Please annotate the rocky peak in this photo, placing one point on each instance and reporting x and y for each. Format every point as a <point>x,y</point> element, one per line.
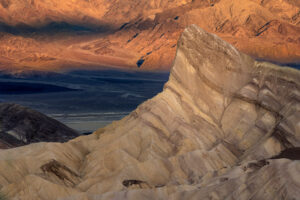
<point>203,59</point>
<point>225,127</point>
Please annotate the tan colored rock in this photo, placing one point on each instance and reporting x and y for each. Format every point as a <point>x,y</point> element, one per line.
<point>209,135</point>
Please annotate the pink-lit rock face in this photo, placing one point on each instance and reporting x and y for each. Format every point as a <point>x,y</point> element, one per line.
<point>99,33</point>
<point>209,134</point>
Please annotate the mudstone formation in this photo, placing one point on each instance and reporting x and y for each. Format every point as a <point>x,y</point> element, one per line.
<point>224,127</point>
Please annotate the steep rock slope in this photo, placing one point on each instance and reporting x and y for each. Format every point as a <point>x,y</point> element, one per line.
<point>92,13</point>
<point>20,126</point>
<point>55,35</point>
<point>267,30</point>
<point>225,126</point>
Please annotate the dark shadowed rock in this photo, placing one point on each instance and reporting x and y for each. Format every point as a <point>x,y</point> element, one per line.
<point>291,153</point>
<point>20,126</point>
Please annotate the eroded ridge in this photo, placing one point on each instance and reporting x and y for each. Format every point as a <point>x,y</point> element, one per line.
<point>210,134</point>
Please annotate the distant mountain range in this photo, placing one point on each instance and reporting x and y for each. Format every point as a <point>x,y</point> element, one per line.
<point>60,35</point>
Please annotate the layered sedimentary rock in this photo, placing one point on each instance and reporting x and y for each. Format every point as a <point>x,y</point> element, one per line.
<point>57,35</point>
<point>20,126</point>
<point>224,127</point>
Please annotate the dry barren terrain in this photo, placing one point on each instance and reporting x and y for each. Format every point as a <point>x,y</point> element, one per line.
<point>58,35</point>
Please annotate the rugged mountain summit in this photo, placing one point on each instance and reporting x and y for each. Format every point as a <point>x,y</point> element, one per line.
<point>55,35</point>
<point>225,126</point>
<point>20,126</point>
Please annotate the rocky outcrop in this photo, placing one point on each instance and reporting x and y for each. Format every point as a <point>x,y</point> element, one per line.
<point>20,126</point>
<point>219,130</point>
<point>57,35</point>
